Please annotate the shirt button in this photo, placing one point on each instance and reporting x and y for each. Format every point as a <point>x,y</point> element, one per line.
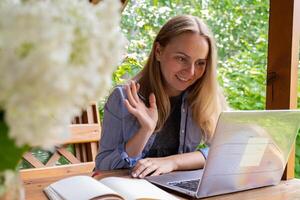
<point>183,110</point>
<point>182,131</point>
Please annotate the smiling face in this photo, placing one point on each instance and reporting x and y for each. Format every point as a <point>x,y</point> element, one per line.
<point>182,61</point>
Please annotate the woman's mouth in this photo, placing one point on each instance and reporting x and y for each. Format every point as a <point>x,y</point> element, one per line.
<point>182,78</point>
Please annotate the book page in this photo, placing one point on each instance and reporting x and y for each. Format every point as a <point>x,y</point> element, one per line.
<point>80,188</point>
<point>130,188</point>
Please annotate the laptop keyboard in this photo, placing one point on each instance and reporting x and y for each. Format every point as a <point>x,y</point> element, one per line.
<point>191,185</point>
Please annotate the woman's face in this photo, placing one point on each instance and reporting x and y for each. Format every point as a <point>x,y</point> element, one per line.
<point>182,61</point>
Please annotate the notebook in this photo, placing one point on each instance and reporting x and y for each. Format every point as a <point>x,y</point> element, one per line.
<point>249,150</point>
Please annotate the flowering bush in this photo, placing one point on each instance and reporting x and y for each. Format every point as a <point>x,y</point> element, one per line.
<point>55,57</point>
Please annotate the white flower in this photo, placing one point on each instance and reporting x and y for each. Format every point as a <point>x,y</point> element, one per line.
<point>11,183</point>
<point>55,57</point>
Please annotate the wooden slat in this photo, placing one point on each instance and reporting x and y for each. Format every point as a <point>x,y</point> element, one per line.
<point>55,171</point>
<point>77,151</point>
<point>53,160</point>
<point>90,115</point>
<point>282,75</point>
<point>83,133</point>
<point>33,160</point>
<point>95,113</point>
<point>91,119</point>
<point>68,155</point>
<point>84,128</point>
<point>84,153</point>
<point>94,150</point>
<point>84,117</point>
<point>77,120</point>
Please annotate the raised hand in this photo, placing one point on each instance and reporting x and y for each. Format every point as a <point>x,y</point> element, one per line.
<point>147,116</point>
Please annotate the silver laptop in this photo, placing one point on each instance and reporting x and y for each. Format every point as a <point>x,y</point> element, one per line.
<point>249,150</point>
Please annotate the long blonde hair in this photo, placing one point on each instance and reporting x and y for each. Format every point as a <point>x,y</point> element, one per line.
<point>205,99</point>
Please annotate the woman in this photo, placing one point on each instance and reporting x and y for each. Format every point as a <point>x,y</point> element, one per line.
<point>156,122</point>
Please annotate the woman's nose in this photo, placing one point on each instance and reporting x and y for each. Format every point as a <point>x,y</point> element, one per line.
<point>190,69</point>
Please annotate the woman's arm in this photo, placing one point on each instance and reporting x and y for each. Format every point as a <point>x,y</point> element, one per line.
<point>156,166</point>
<point>114,152</point>
<point>146,116</point>
<point>112,141</point>
<point>135,145</point>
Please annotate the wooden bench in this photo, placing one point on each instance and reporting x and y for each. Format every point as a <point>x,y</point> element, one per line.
<point>85,134</point>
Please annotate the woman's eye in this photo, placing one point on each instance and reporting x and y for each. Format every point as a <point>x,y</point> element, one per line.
<point>201,63</point>
<point>181,59</point>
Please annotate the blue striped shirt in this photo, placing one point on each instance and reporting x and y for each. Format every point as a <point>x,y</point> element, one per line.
<point>119,126</point>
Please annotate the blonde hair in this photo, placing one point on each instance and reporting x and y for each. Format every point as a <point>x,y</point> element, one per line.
<point>204,97</point>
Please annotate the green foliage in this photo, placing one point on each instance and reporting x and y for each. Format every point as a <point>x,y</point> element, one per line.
<point>297,159</point>
<point>299,82</point>
<point>126,70</point>
<point>240,29</point>
<point>9,148</point>
<point>43,156</point>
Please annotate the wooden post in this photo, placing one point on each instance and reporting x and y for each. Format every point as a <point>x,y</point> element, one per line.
<point>283,58</point>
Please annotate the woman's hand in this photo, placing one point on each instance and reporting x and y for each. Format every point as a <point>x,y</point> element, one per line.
<point>147,117</point>
<point>156,166</point>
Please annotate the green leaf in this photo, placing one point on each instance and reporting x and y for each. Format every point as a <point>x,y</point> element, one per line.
<point>298,150</point>
<point>202,145</point>
<point>10,154</point>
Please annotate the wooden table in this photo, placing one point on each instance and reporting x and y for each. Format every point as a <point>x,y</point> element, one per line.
<point>35,180</point>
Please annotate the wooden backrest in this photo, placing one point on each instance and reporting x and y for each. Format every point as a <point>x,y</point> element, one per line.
<point>85,133</point>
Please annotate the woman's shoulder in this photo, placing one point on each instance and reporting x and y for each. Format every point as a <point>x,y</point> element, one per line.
<point>115,101</point>
<point>118,92</point>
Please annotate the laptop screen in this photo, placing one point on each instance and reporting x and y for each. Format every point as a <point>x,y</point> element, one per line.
<point>249,149</point>
<point>281,126</point>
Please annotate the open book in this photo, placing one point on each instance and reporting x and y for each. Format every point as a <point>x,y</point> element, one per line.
<point>116,188</point>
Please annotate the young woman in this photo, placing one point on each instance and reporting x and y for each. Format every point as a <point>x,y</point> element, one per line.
<point>155,123</point>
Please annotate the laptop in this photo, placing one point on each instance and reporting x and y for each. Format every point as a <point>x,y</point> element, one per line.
<point>249,149</point>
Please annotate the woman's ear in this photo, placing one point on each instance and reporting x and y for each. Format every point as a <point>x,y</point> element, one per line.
<point>157,51</point>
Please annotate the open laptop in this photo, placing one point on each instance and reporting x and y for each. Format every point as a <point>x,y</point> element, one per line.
<point>249,150</point>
